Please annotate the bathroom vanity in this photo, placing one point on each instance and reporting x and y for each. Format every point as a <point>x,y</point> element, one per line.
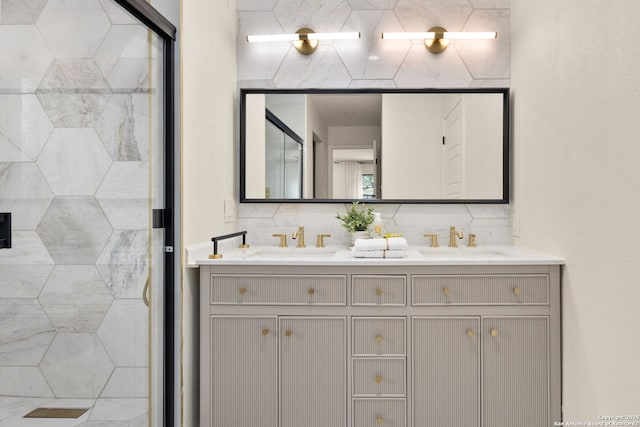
<point>439,338</point>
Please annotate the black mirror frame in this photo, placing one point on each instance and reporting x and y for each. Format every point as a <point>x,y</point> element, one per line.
<point>506,136</point>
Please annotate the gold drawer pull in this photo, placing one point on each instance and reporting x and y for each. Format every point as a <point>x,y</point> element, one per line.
<point>446,291</point>
<point>469,333</point>
<point>517,291</point>
<point>311,291</point>
<point>242,291</point>
<point>378,291</point>
<point>494,332</point>
<point>265,331</point>
<point>378,379</point>
<point>379,338</point>
<point>288,332</point>
<point>379,420</point>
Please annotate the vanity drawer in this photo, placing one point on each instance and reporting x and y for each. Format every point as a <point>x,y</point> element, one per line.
<point>247,289</point>
<point>379,290</point>
<point>379,377</point>
<point>522,289</point>
<point>376,336</point>
<point>379,412</point>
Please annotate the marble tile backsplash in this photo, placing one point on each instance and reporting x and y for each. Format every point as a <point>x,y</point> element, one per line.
<point>370,61</point>
<point>373,63</point>
<point>490,223</point>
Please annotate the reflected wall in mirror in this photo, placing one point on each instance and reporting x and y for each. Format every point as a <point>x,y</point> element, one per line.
<point>387,146</point>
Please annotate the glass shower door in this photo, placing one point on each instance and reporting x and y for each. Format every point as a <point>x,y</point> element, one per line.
<point>283,157</point>
<point>82,169</point>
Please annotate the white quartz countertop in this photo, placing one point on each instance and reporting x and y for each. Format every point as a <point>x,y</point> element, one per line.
<point>416,255</point>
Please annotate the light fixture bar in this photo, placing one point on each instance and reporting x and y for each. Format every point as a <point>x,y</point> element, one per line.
<point>448,35</point>
<point>334,36</point>
<point>298,37</point>
<point>408,36</point>
<point>470,35</point>
<point>273,38</point>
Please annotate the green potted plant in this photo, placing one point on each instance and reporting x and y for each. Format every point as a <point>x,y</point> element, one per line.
<point>357,220</point>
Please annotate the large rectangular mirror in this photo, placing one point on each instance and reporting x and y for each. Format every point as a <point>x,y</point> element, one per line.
<point>382,145</point>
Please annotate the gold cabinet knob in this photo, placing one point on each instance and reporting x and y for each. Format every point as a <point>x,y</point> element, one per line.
<point>378,291</point>
<point>288,332</point>
<point>378,379</point>
<point>265,331</point>
<point>242,291</point>
<point>517,291</point>
<point>379,420</point>
<point>446,291</point>
<point>494,332</point>
<point>311,291</point>
<point>469,333</point>
<point>379,338</point>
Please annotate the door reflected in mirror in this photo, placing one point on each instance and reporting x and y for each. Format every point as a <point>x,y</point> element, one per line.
<point>388,146</point>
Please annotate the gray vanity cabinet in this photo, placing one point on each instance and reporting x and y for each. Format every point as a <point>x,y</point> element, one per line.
<point>380,345</point>
<point>313,371</point>
<point>243,368</point>
<point>252,355</point>
<point>515,371</point>
<point>446,371</point>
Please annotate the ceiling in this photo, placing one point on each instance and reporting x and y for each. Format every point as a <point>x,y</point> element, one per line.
<point>363,109</point>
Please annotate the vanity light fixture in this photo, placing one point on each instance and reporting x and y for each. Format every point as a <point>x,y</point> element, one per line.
<point>437,39</point>
<point>305,40</point>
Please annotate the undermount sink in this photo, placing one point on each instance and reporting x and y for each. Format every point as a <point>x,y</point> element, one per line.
<point>466,252</point>
<point>309,252</point>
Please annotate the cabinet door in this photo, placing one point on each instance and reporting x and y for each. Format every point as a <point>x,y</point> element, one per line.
<point>446,371</point>
<point>313,374</point>
<point>515,371</point>
<point>243,372</point>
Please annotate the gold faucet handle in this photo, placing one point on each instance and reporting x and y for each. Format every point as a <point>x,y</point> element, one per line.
<point>300,236</point>
<point>434,239</point>
<point>472,240</point>
<point>283,239</point>
<point>320,240</point>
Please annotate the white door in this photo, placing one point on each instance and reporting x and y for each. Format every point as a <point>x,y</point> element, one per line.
<point>453,161</point>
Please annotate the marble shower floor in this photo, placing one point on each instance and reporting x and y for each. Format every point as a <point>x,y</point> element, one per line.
<point>101,413</point>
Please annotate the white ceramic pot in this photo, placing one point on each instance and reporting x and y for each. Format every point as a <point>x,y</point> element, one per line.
<point>359,235</point>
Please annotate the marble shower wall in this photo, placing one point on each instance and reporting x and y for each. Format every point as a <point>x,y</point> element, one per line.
<point>374,63</point>
<point>74,172</point>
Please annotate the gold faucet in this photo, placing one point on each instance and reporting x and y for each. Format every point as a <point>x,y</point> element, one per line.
<point>434,239</point>
<point>300,236</point>
<point>453,234</point>
<point>320,240</point>
<point>283,239</point>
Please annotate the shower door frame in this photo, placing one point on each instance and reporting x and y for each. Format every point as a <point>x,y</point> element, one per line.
<point>165,218</point>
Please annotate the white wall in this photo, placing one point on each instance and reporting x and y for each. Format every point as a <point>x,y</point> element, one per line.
<point>208,153</point>
<point>483,146</point>
<point>255,140</point>
<point>411,124</point>
<point>317,125</point>
<point>576,139</point>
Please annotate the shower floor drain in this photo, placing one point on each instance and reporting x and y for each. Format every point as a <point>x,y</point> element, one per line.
<point>56,413</point>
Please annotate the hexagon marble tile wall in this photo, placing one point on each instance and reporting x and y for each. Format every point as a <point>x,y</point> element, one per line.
<point>373,63</point>
<point>74,142</point>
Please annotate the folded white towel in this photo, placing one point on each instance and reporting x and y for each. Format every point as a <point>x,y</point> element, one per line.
<point>391,243</point>
<point>392,253</point>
